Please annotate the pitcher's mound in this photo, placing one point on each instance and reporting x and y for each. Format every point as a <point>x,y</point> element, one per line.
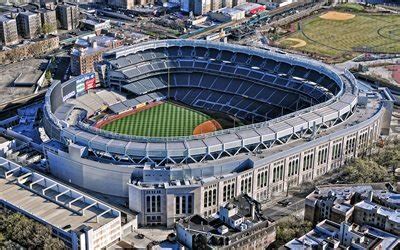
<point>207,127</point>
<point>299,43</point>
<point>337,16</point>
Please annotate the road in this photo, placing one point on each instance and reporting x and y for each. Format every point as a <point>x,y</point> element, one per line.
<point>276,211</point>
<point>352,64</point>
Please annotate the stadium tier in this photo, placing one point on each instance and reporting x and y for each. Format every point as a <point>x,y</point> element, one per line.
<point>308,119</point>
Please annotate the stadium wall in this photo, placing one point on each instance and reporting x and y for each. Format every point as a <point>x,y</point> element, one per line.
<point>115,179</point>
<point>100,177</point>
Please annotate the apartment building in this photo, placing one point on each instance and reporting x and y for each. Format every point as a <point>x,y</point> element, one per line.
<point>68,16</point>
<point>8,30</point>
<point>330,235</point>
<point>29,24</point>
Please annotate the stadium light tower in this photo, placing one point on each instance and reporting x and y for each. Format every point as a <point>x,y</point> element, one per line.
<point>168,86</point>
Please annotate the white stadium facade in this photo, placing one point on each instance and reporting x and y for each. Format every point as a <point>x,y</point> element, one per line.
<point>309,118</point>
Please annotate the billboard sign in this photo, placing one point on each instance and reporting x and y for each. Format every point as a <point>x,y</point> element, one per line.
<point>90,84</point>
<point>68,90</point>
<point>81,82</point>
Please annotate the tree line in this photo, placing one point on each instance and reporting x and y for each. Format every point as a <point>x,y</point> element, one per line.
<point>18,231</point>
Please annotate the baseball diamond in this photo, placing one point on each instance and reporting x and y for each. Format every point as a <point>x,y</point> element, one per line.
<point>164,120</point>
<point>362,33</point>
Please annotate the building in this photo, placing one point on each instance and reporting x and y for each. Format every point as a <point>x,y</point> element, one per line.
<point>29,24</point>
<point>369,213</point>
<point>83,58</point>
<point>197,20</point>
<point>8,30</point>
<point>350,204</point>
<point>123,4</point>
<point>356,204</point>
<point>330,235</point>
<point>227,3</point>
<point>268,4</point>
<point>334,203</point>
<point>237,2</point>
<point>387,198</point>
<point>238,225</point>
<point>48,19</point>
<point>251,8</point>
<point>68,16</point>
<point>35,47</point>
<point>217,4</point>
<point>227,14</point>
<point>96,26</point>
<point>89,50</point>
<point>185,5</point>
<point>128,4</point>
<point>48,4</point>
<point>201,7</point>
<point>77,219</point>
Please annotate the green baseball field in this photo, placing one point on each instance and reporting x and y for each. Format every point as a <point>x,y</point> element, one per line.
<point>164,120</point>
<point>334,34</point>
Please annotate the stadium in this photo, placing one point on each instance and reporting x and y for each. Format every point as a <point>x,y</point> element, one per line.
<point>179,127</point>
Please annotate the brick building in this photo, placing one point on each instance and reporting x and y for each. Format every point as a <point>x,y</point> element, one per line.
<point>8,30</point>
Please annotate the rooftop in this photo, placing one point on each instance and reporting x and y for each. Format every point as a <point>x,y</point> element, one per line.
<point>212,223</point>
<point>27,13</point>
<point>102,43</point>
<point>392,215</point>
<point>50,201</point>
<point>341,192</point>
<point>6,18</point>
<point>229,10</point>
<point>328,231</point>
<point>391,198</point>
<point>9,73</point>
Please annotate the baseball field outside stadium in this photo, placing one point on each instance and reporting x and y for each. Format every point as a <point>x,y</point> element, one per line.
<point>336,33</point>
<point>164,120</point>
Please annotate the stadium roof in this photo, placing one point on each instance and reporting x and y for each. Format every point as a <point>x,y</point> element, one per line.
<point>49,200</point>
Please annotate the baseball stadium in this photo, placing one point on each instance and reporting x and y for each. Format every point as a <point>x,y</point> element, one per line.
<point>178,127</point>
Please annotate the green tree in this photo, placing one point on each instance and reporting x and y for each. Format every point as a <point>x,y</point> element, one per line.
<point>290,228</point>
<point>53,243</point>
<point>390,157</point>
<point>2,240</point>
<point>200,242</point>
<point>364,171</point>
<point>48,28</point>
<point>48,75</point>
<point>16,229</point>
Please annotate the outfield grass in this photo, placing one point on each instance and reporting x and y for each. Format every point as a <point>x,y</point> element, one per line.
<point>164,120</point>
<point>380,33</point>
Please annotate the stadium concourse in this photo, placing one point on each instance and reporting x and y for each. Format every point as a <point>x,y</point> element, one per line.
<point>303,118</point>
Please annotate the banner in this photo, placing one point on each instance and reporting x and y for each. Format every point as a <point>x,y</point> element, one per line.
<point>90,84</point>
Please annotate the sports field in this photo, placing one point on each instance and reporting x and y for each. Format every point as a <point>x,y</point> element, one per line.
<point>164,120</point>
<point>337,33</point>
